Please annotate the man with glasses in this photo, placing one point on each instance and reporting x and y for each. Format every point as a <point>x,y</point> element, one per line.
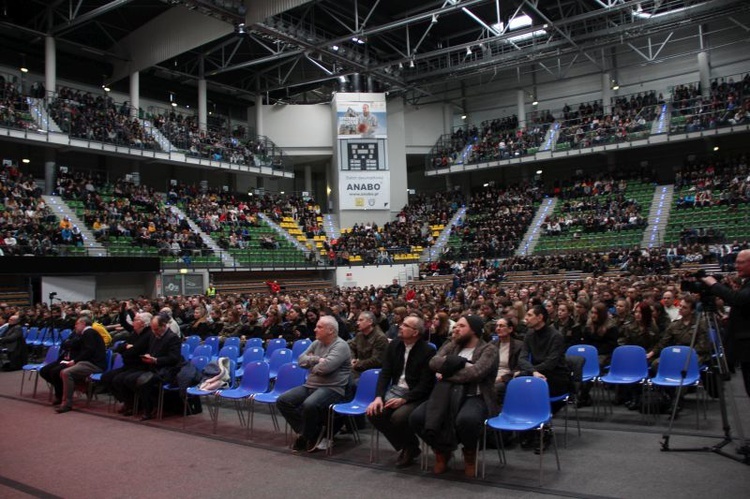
<point>406,371</point>
<point>131,349</point>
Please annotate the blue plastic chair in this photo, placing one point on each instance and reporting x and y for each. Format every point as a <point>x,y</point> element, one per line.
<point>432,345</point>
<point>669,373</point>
<point>253,354</point>
<point>629,366</point>
<point>299,347</point>
<point>203,351</point>
<point>591,370</point>
<point>193,341</point>
<point>274,345</point>
<point>254,381</point>
<point>212,404</point>
<point>526,407</point>
<point>289,376</point>
<point>232,352</point>
<point>366,387</point>
<point>52,354</point>
<point>279,358</point>
<point>31,336</point>
<point>65,334</point>
<point>113,362</point>
<point>233,341</point>
<point>253,342</point>
<point>213,341</point>
<point>185,351</point>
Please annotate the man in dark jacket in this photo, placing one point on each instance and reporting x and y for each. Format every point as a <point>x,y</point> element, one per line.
<point>14,345</point>
<point>133,346</point>
<point>406,370</point>
<point>87,355</point>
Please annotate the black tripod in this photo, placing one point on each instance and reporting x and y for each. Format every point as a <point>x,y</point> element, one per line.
<point>718,376</point>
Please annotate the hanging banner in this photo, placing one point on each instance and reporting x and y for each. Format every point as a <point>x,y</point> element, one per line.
<point>361,119</point>
<point>364,190</point>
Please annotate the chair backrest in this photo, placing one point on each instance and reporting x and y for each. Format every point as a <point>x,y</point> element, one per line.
<point>230,351</point>
<point>591,356</point>
<point>214,342</point>
<point>109,360</point>
<point>274,345</point>
<point>193,341</point>
<point>254,342</point>
<point>629,360</point>
<point>200,361</point>
<point>279,358</point>
<point>432,345</point>
<point>52,354</point>
<point>255,377</point>
<point>31,337</point>
<point>117,361</point>
<point>186,351</point>
<point>299,347</point>
<point>203,351</point>
<point>527,398</point>
<point>290,376</point>
<point>253,354</point>
<point>233,341</point>
<point>672,362</point>
<point>65,334</point>
<point>368,382</point>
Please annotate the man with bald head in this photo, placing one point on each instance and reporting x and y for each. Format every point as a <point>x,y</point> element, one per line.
<point>738,334</point>
<point>14,345</point>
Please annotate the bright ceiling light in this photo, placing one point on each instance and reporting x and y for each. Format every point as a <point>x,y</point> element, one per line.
<point>520,21</point>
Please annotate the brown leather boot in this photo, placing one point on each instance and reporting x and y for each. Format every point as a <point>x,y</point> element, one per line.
<point>470,463</point>
<point>441,463</point>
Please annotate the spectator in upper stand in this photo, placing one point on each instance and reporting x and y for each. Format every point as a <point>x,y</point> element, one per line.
<point>368,345</point>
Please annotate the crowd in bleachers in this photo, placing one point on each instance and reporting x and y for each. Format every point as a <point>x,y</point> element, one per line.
<point>86,116</point>
<point>497,219</point>
<point>27,225</point>
<point>727,103</point>
<point>14,110</point>
<point>706,183</point>
<point>130,211</point>
<point>591,125</point>
<point>595,205</point>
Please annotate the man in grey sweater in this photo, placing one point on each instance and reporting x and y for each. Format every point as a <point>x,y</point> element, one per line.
<point>328,359</point>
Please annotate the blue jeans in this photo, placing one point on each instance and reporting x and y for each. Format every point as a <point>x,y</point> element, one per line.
<point>305,409</point>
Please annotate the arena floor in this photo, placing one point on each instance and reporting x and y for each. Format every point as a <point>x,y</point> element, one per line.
<point>91,452</point>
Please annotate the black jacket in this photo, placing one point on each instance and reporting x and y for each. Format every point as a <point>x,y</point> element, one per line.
<point>419,377</point>
<point>739,316</point>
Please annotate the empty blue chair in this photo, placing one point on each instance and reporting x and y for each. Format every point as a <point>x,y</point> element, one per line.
<point>185,351</point>
<point>279,358</point>
<point>629,366</point>
<point>672,362</point>
<point>193,341</point>
<point>254,381</point>
<point>274,345</point>
<point>254,342</point>
<point>52,354</point>
<point>233,341</point>
<point>253,354</point>
<point>212,404</point>
<point>299,347</point>
<point>31,335</point>
<point>526,407</point>
<point>368,382</point>
<point>590,372</point>
<point>65,334</point>
<point>203,351</point>
<point>289,376</point>
<point>232,352</point>
<point>213,341</point>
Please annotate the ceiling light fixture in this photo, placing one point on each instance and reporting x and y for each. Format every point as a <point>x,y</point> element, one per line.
<point>468,50</point>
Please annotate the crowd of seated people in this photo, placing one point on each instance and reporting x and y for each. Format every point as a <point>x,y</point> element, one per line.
<point>86,116</point>
<point>594,205</point>
<point>217,144</point>
<point>721,182</point>
<point>131,211</point>
<point>14,110</point>
<point>727,103</point>
<point>496,139</point>
<point>27,225</point>
<point>496,221</point>
<point>412,227</point>
<point>590,126</point>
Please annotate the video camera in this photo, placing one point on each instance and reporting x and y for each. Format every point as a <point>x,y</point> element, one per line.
<point>692,283</point>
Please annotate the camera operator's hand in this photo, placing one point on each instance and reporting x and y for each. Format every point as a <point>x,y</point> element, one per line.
<point>709,281</point>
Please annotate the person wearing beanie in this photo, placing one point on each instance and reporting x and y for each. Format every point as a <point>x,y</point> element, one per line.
<point>463,398</point>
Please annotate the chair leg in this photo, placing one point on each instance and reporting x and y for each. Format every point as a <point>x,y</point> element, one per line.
<point>329,431</point>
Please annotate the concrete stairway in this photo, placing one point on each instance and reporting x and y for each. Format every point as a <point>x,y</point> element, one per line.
<point>658,216</point>
<point>159,137</point>
<point>226,258</point>
<point>434,252</point>
<point>550,138</point>
<point>662,122</point>
<point>38,111</point>
<point>532,234</point>
<point>331,226</point>
<point>61,210</point>
<point>284,233</point>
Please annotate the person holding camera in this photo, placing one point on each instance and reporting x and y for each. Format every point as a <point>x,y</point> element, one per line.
<point>738,333</point>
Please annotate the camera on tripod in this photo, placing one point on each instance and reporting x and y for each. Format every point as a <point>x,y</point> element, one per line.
<point>692,283</point>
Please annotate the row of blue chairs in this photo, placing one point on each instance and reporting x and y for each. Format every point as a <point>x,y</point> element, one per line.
<point>45,337</point>
<point>193,343</point>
